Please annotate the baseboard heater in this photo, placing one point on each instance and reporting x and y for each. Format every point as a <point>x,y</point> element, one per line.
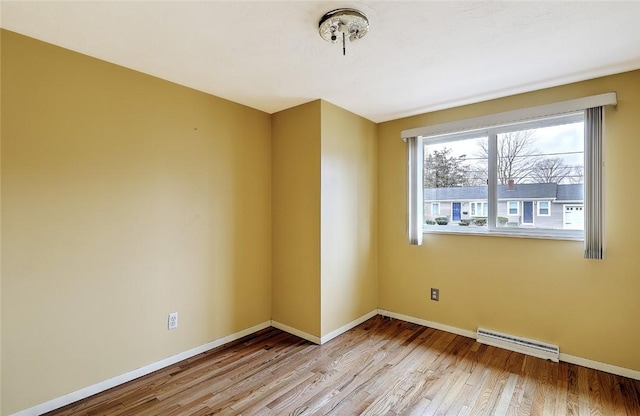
<point>517,344</point>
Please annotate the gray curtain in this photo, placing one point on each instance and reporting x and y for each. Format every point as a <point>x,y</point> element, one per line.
<point>593,197</point>
<point>415,201</point>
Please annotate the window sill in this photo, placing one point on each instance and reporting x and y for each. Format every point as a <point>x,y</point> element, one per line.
<point>517,233</point>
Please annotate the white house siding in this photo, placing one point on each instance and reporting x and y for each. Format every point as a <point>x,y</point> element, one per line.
<point>572,194</point>
<point>446,210</point>
<point>554,221</point>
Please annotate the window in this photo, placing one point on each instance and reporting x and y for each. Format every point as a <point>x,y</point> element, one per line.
<point>435,208</point>
<point>509,166</point>
<point>479,209</point>
<point>544,208</point>
<point>530,161</point>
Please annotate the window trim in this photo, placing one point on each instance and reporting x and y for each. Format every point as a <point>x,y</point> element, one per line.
<point>433,204</point>
<point>548,214</point>
<point>492,201</point>
<point>473,208</point>
<point>514,116</point>
<point>593,110</point>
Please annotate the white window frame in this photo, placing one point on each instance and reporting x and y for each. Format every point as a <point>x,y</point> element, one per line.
<point>548,214</point>
<point>433,205</point>
<point>491,203</point>
<point>534,117</point>
<point>509,208</point>
<point>473,208</point>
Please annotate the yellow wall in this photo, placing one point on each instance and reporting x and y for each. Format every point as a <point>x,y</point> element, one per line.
<point>124,198</point>
<point>296,217</point>
<point>348,209</point>
<point>539,289</point>
<point>324,217</point>
<point>1,35</point>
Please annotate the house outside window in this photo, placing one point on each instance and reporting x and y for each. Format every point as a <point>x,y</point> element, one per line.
<point>435,208</point>
<point>514,208</point>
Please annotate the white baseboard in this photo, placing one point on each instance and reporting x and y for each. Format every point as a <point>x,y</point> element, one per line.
<point>597,365</point>
<point>293,331</point>
<point>584,362</point>
<point>430,324</point>
<point>131,375</point>
<point>331,335</point>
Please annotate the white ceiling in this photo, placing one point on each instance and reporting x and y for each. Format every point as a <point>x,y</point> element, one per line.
<point>418,55</point>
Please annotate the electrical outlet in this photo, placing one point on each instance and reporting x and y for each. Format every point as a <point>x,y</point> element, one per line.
<point>435,294</point>
<point>173,320</point>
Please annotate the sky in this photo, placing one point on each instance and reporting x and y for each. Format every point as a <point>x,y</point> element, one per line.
<point>555,141</point>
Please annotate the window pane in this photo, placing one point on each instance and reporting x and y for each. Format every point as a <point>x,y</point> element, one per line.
<point>543,207</point>
<point>541,163</point>
<point>455,176</point>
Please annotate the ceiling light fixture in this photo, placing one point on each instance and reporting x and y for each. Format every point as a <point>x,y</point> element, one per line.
<point>343,23</point>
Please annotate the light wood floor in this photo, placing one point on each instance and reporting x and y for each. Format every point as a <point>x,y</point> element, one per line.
<point>382,367</point>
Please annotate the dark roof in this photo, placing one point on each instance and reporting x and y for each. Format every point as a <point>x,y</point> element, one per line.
<point>520,191</point>
<point>573,192</point>
<point>528,190</point>
<point>448,194</point>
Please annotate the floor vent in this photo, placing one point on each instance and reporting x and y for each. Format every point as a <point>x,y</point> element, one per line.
<point>517,344</point>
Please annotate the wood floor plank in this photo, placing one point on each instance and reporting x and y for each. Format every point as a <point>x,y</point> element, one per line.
<point>502,406</point>
<point>468,394</point>
<point>539,396</point>
<point>595,400</point>
<point>562,390</point>
<point>382,367</point>
<point>438,400</point>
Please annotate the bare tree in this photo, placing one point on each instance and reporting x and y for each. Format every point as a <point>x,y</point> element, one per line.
<point>517,156</point>
<point>551,170</point>
<point>577,174</point>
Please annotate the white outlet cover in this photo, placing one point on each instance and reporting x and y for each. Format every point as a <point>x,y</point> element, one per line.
<point>173,320</point>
